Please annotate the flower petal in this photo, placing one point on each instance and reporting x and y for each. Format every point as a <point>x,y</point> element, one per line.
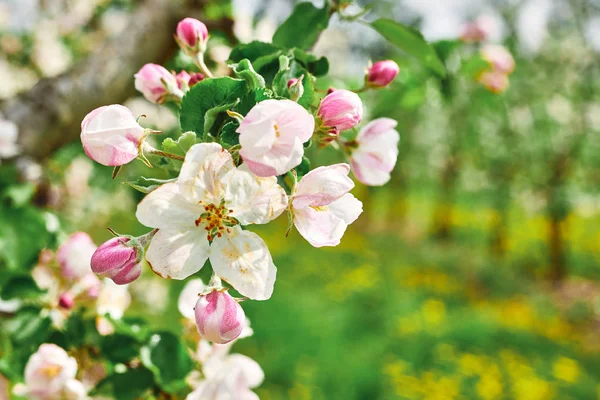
<point>323,185</point>
<point>203,172</point>
<point>243,259</point>
<point>348,208</point>
<point>167,208</point>
<point>175,254</point>
<point>189,297</point>
<point>319,227</point>
<point>254,200</point>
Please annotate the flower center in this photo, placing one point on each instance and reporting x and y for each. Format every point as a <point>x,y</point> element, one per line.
<point>277,132</point>
<point>320,208</point>
<point>51,370</point>
<point>216,220</point>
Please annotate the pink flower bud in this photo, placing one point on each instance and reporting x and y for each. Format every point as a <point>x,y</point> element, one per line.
<point>219,317</point>
<point>183,80</point>
<point>472,33</point>
<point>66,301</point>
<point>331,90</point>
<point>291,82</point>
<point>156,83</point>
<point>341,109</point>
<point>195,78</point>
<point>117,260</point>
<point>499,58</point>
<point>111,136</point>
<point>192,35</point>
<point>494,81</point>
<point>382,73</point>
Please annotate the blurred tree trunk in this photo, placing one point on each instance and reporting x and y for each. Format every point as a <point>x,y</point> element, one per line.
<point>48,116</point>
<point>444,209</point>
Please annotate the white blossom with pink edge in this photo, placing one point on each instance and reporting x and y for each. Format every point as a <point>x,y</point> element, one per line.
<point>499,57</point>
<point>341,109</point>
<point>272,136</point>
<point>219,317</point>
<point>322,207</point>
<point>111,136</point>
<point>50,375</point>
<point>156,83</point>
<point>376,153</point>
<point>198,217</point>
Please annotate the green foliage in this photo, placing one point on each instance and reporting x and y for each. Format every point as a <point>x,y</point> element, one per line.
<point>131,384</point>
<point>181,145</point>
<point>245,71</point>
<point>229,137</point>
<point>19,286</point>
<point>206,99</point>
<point>168,359</point>
<point>303,27</point>
<point>410,41</point>
<point>146,185</point>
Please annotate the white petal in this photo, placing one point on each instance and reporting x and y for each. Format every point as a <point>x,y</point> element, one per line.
<point>177,255</point>
<point>323,185</point>
<point>319,227</point>
<point>189,296</point>
<point>251,374</point>
<point>243,259</point>
<point>167,207</point>
<point>254,200</point>
<point>347,208</point>
<point>204,170</point>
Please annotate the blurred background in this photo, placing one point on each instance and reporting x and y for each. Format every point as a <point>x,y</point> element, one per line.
<point>474,274</point>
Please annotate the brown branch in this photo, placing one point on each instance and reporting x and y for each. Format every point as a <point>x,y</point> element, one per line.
<point>48,116</point>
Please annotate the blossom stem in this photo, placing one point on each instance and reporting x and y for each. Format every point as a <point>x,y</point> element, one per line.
<point>168,155</point>
<point>215,282</point>
<point>203,68</point>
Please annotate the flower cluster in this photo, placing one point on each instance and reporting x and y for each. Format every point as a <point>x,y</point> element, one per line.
<point>501,63</point>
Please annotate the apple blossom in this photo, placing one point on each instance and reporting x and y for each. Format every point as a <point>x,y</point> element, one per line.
<point>341,109</point>
<point>75,254</point>
<point>219,317</point>
<point>189,297</point>
<point>195,78</point>
<point>296,88</point>
<point>183,80</point>
<point>8,138</point>
<point>50,374</point>
<point>228,377</point>
<point>198,217</point>
<point>157,84</point>
<point>499,58</point>
<point>375,152</point>
<point>272,134</point>
<point>66,301</point>
<point>111,135</point>
<point>322,207</point>
<point>118,259</point>
<point>191,35</point>
<point>494,81</point>
<point>382,73</point>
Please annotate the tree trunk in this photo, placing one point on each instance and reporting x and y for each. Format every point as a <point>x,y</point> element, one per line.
<point>443,212</point>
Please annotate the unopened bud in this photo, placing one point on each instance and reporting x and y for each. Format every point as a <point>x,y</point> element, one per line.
<point>192,36</point>
<point>296,88</point>
<point>382,73</point>
<point>118,259</point>
<point>195,78</point>
<point>66,301</point>
<point>156,83</point>
<point>341,109</point>
<point>219,317</point>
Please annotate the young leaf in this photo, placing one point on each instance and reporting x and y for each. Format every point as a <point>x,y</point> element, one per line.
<point>295,70</point>
<point>303,27</point>
<point>245,71</point>
<point>259,53</point>
<point>410,41</point>
<point>146,185</point>
<point>181,145</point>
<point>168,359</point>
<point>229,137</point>
<point>205,96</point>
<point>130,385</point>
<point>313,64</point>
<point>252,98</point>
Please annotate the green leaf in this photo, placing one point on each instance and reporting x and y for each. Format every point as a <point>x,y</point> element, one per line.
<point>168,359</point>
<point>245,71</point>
<point>129,385</point>
<point>303,168</point>
<point>229,137</point>
<point>313,64</point>
<point>119,348</point>
<point>410,41</point>
<point>259,53</point>
<point>20,286</point>
<point>146,185</point>
<point>20,195</point>
<point>29,327</point>
<point>215,93</point>
<point>303,27</point>
<point>252,98</point>
<point>295,70</point>
<point>181,145</point>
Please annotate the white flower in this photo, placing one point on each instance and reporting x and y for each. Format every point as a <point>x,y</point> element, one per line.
<point>199,217</point>
<point>322,206</point>
<point>50,375</point>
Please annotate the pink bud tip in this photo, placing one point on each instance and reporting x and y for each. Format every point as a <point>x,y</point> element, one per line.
<point>156,83</point>
<point>66,301</point>
<point>341,109</point>
<point>382,73</point>
<point>219,317</point>
<point>195,78</point>
<point>192,34</point>
<point>117,260</point>
<point>331,90</point>
<point>291,82</point>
